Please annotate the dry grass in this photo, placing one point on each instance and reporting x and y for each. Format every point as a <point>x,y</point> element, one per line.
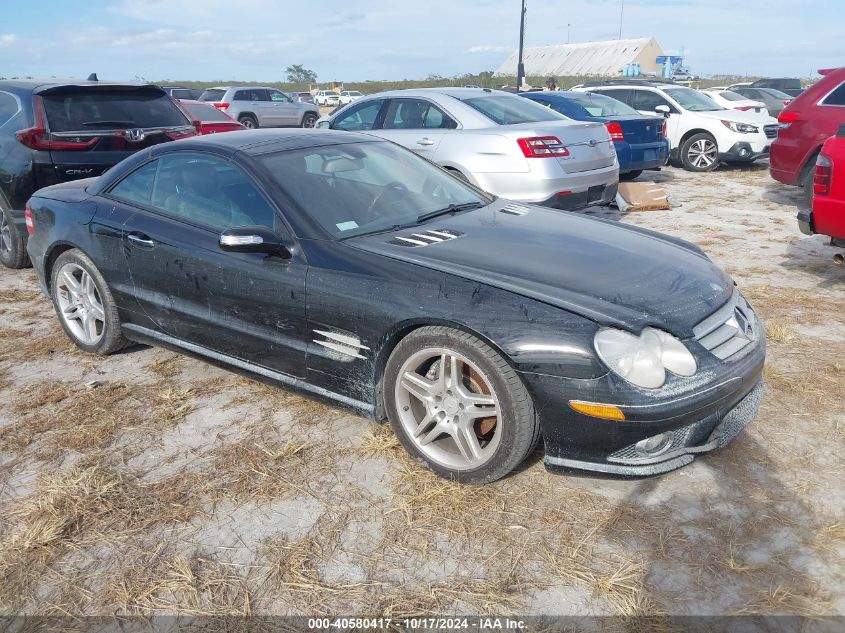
<point>779,331</point>
<point>16,295</point>
<point>77,507</point>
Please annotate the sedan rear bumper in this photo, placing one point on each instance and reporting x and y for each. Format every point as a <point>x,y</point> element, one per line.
<point>637,157</point>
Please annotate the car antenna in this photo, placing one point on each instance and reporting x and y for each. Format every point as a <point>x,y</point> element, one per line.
<point>93,77</point>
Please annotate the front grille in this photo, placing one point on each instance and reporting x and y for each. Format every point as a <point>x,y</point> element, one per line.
<point>771,131</point>
<point>425,238</point>
<point>730,329</point>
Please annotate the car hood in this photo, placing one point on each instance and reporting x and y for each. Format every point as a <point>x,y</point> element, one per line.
<point>611,273</point>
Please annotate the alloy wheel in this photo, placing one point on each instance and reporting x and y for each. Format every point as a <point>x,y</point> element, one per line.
<point>449,409</point>
<point>702,153</point>
<point>80,306</point>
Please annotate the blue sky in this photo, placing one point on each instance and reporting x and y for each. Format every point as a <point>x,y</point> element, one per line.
<point>364,39</point>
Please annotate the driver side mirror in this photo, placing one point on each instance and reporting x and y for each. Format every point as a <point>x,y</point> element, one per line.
<point>253,239</point>
<point>662,109</point>
<point>323,124</point>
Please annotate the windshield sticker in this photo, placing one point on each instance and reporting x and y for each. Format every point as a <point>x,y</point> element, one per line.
<point>347,226</point>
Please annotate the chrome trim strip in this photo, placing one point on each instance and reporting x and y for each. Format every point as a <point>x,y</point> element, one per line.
<point>408,239</point>
<point>646,469</point>
<point>344,339</point>
<point>448,236</point>
<point>286,379</point>
<point>719,317</point>
<point>340,348</point>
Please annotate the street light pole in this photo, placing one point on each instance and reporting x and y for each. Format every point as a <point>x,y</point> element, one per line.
<point>520,68</point>
<point>621,13</point>
<point>567,33</point>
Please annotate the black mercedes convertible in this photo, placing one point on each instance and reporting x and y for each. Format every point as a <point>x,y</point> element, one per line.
<point>349,268</point>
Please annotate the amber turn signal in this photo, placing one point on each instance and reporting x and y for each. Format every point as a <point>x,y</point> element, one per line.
<point>605,411</point>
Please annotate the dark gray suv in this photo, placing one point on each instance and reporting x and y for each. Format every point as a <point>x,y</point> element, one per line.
<point>257,106</point>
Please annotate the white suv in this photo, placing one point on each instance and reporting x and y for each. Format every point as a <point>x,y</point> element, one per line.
<point>701,133</point>
<point>327,98</point>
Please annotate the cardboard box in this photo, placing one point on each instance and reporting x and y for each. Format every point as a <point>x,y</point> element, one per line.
<point>641,196</point>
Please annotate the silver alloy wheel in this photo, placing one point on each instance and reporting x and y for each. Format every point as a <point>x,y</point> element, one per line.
<point>80,305</point>
<point>702,153</point>
<point>448,408</point>
<point>309,121</point>
<point>5,234</point>
<point>248,123</point>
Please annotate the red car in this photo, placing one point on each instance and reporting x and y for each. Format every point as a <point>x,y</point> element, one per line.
<point>806,123</point>
<point>206,118</point>
<point>828,213</point>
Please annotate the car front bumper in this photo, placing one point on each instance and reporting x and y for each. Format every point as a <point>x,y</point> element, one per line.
<point>744,152</point>
<point>701,416</point>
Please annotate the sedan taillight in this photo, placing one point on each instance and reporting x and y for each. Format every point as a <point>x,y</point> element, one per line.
<point>823,176</point>
<point>221,105</point>
<point>542,147</point>
<point>615,131</point>
<point>30,220</point>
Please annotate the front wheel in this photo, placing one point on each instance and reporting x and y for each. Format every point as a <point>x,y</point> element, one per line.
<point>309,120</point>
<point>700,153</point>
<point>84,304</point>
<point>249,122</point>
<point>457,406</point>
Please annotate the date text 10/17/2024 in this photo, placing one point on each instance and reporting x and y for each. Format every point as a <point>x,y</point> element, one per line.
<point>412,624</point>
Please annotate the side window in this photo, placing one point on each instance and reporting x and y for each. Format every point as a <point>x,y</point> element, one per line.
<point>276,95</point>
<point>242,95</point>
<point>138,186</point>
<point>415,114</point>
<point>361,117</point>
<point>261,95</point>
<point>181,94</point>
<point>835,98</point>
<point>8,107</point>
<point>209,190</point>
<point>647,100</point>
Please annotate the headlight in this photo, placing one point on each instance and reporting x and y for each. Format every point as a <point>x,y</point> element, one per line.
<point>742,128</point>
<point>643,360</point>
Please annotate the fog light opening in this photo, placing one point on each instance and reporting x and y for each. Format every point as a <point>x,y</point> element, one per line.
<point>656,444</point>
<point>744,152</point>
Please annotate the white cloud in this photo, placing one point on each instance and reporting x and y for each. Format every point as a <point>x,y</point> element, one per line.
<point>7,39</point>
<point>489,49</point>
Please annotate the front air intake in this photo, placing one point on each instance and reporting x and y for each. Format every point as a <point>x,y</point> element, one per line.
<point>425,238</point>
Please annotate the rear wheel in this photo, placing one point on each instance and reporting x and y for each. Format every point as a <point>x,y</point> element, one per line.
<point>630,175</point>
<point>309,120</point>
<point>248,121</point>
<point>457,406</point>
<point>700,153</point>
<point>12,245</point>
<point>84,304</point>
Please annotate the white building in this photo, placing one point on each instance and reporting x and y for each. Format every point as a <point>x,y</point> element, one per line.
<point>587,58</point>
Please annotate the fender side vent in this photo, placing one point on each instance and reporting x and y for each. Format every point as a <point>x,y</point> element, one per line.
<point>425,238</point>
<point>515,209</point>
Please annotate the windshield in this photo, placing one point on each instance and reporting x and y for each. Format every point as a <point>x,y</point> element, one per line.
<point>212,94</point>
<point>355,94</point>
<point>731,96</point>
<point>508,110</point>
<point>203,112</point>
<point>600,105</point>
<point>777,94</point>
<point>356,188</point>
<point>693,100</point>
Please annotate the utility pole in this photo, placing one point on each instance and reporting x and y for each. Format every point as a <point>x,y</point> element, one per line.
<point>520,68</point>
<point>567,33</point>
<point>621,13</point>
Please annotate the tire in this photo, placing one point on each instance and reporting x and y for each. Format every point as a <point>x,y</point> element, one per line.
<point>92,298</point>
<point>630,175</point>
<point>12,244</point>
<point>309,120</point>
<point>700,153</point>
<point>421,404</point>
<point>248,121</point>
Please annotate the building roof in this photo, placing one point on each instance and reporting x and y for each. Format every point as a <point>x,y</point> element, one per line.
<point>583,58</point>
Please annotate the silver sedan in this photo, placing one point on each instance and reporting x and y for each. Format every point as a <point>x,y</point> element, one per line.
<point>502,143</point>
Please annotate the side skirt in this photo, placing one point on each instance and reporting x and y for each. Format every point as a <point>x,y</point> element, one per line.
<point>147,336</point>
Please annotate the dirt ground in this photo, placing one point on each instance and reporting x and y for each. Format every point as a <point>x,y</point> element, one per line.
<point>177,487</point>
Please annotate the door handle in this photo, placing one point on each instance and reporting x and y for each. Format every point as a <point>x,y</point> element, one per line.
<point>425,141</point>
<point>140,240</point>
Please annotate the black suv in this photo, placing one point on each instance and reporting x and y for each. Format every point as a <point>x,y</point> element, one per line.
<point>55,132</point>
